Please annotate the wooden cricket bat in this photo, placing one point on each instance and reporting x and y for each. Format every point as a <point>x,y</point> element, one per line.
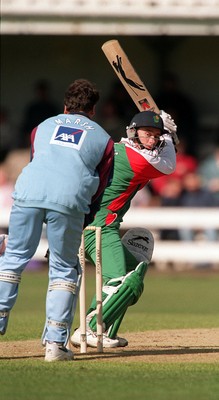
<point>128,76</point>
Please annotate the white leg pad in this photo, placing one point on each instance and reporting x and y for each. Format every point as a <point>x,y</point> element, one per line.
<point>140,243</point>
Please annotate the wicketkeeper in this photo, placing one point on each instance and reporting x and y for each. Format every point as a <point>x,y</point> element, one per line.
<point>147,152</point>
<point>71,165</point>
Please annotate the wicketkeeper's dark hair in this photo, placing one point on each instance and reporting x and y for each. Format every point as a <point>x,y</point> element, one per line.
<point>81,95</point>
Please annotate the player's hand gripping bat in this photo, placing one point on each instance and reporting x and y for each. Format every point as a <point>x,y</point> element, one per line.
<point>130,79</point>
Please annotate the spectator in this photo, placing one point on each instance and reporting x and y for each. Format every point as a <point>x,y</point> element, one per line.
<point>185,163</point>
<point>110,118</point>
<point>8,138</point>
<point>41,108</point>
<point>209,171</point>
<point>195,195</point>
<point>181,108</point>
<point>170,197</point>
<point>116,109</point>
<point>122,101</point>
<point>142,198</point>
<point>12,166</point>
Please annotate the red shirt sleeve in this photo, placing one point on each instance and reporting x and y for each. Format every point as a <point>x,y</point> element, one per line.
<point>32,138</point>
<point>105,169</point>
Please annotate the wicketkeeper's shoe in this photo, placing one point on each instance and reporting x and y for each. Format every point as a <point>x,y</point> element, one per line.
<point>92,339</point>
<point>3,242</point>
<point>57,352</point>
<point>4,315</point>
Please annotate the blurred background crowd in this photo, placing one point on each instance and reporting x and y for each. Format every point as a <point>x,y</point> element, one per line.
<point>173,46</point>
<point>195,183</point>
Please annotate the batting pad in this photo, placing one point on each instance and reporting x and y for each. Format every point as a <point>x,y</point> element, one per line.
<point>122,293</point>
<point>140,243</point>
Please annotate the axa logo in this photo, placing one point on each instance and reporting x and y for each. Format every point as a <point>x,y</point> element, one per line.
<point>68,136</point>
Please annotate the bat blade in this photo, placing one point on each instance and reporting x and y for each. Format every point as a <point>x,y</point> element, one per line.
<point>128,76</point>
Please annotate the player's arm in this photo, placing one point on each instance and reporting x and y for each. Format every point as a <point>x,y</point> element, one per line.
<point>32,139</point>
<point>165,161</point>
<point>105,170</point>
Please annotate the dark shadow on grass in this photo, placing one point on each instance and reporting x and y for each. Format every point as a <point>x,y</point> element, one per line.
<point>138,353</point>
<point>21,357</point>
<point>91,355</point>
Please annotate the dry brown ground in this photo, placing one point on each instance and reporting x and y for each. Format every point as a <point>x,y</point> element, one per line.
<point>180,345</point>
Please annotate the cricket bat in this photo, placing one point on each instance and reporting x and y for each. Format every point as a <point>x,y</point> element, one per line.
<point>129,77</point>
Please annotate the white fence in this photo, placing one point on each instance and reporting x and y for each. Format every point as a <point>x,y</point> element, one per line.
<point>110,17</point>
<point>178,218</point>
<point>121,8</point>
<point>165,218</point>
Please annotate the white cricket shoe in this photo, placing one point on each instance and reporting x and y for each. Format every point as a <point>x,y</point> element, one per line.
<point>57,352</point>
<point>92,339</point>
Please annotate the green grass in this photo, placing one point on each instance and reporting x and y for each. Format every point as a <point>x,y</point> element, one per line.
<point>36,380</point>
<point>176,301</point>
<point>169,301</point>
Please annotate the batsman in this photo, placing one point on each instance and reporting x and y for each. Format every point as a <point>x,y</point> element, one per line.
<point>148,152</point>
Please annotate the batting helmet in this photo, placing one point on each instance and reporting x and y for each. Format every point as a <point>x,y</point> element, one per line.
<point>148,119</point>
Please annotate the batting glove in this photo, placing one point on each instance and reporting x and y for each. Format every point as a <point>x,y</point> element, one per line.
<point>169,126</point>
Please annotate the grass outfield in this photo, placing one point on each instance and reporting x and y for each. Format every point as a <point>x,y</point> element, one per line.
<point>37,380</point>
<point>170,301</point>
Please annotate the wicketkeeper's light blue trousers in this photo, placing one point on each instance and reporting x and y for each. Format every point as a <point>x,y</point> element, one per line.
<point>64,236</point>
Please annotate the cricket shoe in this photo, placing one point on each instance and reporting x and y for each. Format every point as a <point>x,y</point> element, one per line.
<point>92,339</point>
<point>57,352</point>
<point>122,341</point>
<point>3,242</point>
<point>4,315</point>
